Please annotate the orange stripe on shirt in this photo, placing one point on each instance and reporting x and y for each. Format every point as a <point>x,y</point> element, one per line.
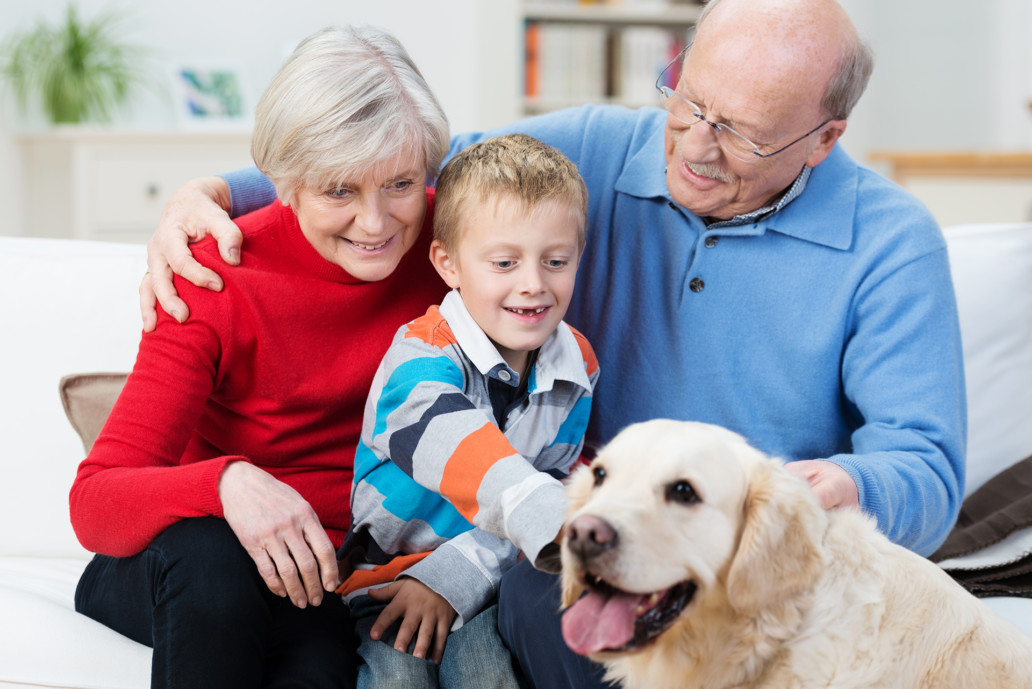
<point>586,351</point>
<point>380,574</point>
<point>432,329</point>
<point>466,468</point>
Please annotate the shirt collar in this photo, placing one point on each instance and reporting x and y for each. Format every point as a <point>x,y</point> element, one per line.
<point>558,359</point>
<point>824,215</point>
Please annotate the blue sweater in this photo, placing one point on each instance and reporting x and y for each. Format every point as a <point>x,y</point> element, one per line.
<point>827,330</point>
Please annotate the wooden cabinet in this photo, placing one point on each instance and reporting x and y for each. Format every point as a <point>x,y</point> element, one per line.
<point>110,185</point>
<point>581,52</point>
<point>961,187</point>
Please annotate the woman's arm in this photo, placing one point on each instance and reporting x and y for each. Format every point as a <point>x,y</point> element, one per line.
<point>134,484</point>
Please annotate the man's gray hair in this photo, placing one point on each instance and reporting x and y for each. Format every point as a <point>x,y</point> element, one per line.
<point>345,100</point>
<point>849,81</point>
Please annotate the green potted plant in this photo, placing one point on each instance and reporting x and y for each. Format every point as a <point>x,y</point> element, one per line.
<point>79,70</point>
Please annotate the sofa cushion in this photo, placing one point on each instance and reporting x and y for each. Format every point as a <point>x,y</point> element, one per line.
<point>68,306</point>
<point>87,399</point>
<point>45,643</point>
<point>992,272</point>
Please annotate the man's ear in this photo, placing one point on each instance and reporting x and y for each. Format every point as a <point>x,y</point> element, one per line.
<point>828,136</point>
<point>444,264</point>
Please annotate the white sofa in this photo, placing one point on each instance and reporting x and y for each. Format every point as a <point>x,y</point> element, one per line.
<point>71,307</point>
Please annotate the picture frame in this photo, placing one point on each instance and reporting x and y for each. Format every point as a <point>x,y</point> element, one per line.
<point>210,95</point>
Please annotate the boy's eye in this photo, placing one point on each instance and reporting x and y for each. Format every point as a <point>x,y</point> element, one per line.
<point>557,263</point>
<point>504,265</point>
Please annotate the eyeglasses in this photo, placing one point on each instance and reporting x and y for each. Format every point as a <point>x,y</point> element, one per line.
<point>730,141</point>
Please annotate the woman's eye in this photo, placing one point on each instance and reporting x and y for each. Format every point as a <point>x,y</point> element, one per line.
<point>401,185</point>
<point>339,193</point>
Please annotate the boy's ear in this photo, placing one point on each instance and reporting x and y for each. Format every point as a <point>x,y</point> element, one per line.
<point>444,264</point>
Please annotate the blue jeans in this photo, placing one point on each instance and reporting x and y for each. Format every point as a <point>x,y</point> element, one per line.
<point>474,657</point>
<point>194,595</point>
<point>528,620</point>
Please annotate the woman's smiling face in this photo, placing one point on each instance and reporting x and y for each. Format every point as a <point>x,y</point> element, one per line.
<point>367,226</point>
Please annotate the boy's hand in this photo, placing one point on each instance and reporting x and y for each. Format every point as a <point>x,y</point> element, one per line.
<point>423,613</point>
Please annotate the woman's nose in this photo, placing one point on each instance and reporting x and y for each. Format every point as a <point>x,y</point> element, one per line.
<point>372,214</point>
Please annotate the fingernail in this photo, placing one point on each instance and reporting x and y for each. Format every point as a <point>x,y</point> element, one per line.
<point>316,600</point>
<point>177,314</point>
<point>300,602</point>
<point>234,254</point>
<point>214,286</point>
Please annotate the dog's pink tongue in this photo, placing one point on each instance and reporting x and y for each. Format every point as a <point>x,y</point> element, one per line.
<point>597,622</point>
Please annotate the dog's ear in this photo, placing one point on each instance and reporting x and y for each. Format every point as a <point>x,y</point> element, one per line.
<point>779,552</point>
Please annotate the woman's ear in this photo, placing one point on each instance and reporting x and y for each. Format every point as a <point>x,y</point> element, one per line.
<point>444,264</point>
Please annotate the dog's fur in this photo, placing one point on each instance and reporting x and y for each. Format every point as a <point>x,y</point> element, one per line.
<point>788,595</point>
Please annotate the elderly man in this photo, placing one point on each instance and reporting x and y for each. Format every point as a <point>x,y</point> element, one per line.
<point>742,269</point>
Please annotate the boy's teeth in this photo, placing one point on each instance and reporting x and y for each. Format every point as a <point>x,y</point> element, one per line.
<point>523,311</point>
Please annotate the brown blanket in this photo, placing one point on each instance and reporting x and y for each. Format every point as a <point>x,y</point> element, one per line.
<point>990,514</point>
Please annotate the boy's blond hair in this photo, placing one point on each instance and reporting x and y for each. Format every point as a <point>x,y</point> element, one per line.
<point>517,167</point>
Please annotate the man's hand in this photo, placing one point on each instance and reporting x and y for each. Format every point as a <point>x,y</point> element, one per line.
<point>197,209</point>
<point>832,485</point>
<point>423,613</point>
<point>281,533</point>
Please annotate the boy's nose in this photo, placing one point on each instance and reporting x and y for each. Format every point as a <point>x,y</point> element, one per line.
<point>530,281</point>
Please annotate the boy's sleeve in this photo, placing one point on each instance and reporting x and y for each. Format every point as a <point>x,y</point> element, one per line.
<point>433,433</point>
<point>466,570</point>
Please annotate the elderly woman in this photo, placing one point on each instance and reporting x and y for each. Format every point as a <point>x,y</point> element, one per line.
<point>219,488</point>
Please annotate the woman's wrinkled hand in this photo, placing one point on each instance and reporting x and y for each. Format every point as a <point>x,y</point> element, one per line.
<point>196,210</point>
<point>424,614</point>
<point>281,533</point>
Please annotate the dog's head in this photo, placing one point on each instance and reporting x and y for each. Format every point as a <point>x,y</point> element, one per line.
<point>671,515</point>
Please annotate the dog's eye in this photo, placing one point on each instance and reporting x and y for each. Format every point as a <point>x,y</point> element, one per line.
<point>600,475</point>
<point>682,492</point>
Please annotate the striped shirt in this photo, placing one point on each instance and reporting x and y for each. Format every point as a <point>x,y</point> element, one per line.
<point>430,430</point>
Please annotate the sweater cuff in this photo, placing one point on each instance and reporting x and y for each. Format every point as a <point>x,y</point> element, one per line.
<point>534,525</point>
<point>249,190</point>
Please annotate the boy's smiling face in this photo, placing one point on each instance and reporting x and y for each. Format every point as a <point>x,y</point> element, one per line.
<point>515,269</point>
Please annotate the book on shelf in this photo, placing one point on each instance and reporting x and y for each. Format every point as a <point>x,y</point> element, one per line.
<point>570,64</point>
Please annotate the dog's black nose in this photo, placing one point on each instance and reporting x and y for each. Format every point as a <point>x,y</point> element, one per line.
<point>588,536</point>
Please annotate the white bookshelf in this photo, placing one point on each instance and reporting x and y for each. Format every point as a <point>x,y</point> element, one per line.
<point>611,52</point>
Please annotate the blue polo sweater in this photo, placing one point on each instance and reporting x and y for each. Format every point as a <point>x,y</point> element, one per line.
<point>826,329</point>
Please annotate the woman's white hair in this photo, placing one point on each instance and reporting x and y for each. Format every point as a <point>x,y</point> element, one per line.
<point>347,99</point>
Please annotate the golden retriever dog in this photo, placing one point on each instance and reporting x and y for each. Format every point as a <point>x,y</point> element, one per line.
<point>690,559</point>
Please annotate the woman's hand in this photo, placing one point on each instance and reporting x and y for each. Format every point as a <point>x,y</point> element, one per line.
<point>424,613</point>
<point>197,209</point>
<point>281,533</point>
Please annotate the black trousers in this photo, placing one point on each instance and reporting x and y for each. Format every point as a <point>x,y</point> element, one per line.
<point>529,622</point>
<point>195,596</point>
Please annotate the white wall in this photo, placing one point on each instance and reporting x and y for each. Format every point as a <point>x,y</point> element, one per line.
<point>469,70</point>
<point>951,74</point>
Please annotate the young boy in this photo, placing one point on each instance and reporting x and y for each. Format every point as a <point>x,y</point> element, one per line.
<point>478,409</point>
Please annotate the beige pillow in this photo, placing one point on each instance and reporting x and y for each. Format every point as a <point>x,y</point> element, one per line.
<point>87,399</point>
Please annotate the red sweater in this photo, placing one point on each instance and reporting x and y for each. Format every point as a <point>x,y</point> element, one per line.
<point>275,370</point>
